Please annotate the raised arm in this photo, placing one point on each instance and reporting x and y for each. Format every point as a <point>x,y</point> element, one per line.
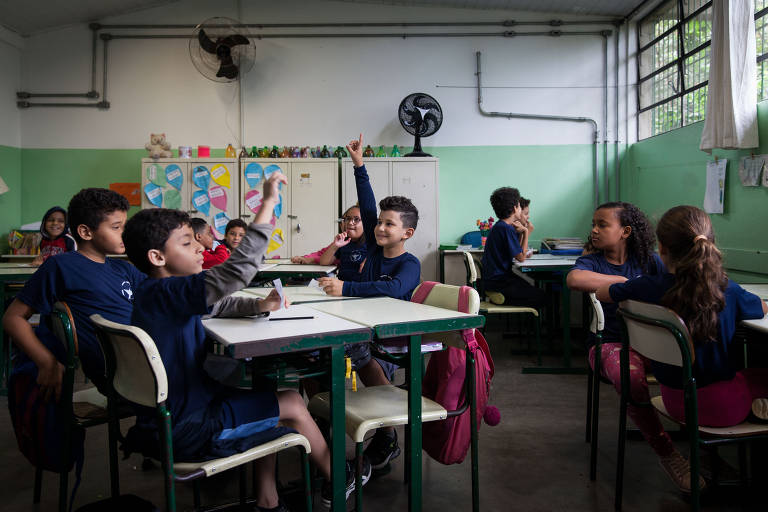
<point>365,196</point>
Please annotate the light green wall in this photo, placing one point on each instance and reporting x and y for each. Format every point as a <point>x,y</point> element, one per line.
<point>669,169</point>
<point>10,202</point>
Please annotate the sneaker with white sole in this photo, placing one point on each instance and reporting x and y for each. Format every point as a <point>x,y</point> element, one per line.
<point>760,408</point>
<point>326,493</point>
<point>382,448</point>
<point>679,470</point>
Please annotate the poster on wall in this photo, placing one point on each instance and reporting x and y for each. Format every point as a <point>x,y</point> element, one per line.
<point>714,197</point>
<point>750,169</point>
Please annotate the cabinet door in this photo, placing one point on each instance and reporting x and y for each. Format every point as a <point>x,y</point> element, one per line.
<point>378,172</point>
<point>314,204</point>
<point>214,194</point>
<point>164,184</point>
<point>417,180</point>
<point>257,170</point>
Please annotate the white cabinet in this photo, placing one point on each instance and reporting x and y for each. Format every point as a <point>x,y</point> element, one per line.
<point>203,187</point>
<point>415,178</point>
<point>307,218</point>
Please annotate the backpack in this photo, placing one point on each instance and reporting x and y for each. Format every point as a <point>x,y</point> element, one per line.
<point>447,441</point>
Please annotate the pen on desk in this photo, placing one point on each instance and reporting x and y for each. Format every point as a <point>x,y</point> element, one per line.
<point>291,318</point>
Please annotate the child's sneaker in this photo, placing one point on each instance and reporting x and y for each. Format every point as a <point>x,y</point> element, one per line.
<point>326,492</point>
<point>679,470</point>
<point>382,448</point>
<point>760,408</point>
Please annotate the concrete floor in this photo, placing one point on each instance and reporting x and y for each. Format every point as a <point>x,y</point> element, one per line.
<point>534,460</point>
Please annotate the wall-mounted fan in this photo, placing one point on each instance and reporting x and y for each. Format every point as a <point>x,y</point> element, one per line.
<point>421,116</point>
<point>220,51</point>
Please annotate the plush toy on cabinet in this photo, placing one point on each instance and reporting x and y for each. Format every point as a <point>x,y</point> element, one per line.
<point>158,147</point>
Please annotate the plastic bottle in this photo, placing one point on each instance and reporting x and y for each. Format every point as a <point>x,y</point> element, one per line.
<point>381,153</point>
<point>395,151</point>
<point>274,153</point>
<point>368,151</point>
<point>340,152</point>
<point>230,152</point>
<point>285,153</point>
<point>254,152</point>
<point>325,153</point>
<point>243,153</point>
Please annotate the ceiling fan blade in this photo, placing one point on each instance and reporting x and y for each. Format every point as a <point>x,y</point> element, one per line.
<point>205,42</point>
<point>234,40</point>
<point>227,69</point>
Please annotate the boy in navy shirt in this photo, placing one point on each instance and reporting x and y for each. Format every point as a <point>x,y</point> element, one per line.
<point>507,242</point>
<point>87,281</point>
<point>169,306</point>
<point>388,271</point>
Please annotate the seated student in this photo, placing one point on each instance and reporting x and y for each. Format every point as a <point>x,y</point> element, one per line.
<point>620,247</point>
<point>524,220</point>
<point>169,305</point>
<point>204,236</point>
<point>87,280</point>
<point>56,238</point>
<point>696,287</point>
<point>234,233</point>
<point>348,249</point>
<point>508,242</point>
<point>388,271</point>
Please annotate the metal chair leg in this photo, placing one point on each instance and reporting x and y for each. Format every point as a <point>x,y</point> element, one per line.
<point>196,494</point>
<point>307,480</point>
<point>358,477</point>
<point>595,410</point>
<point>588,428</point>
<point>243,483</point>
<point>38,485</point>
<point>620,453</point>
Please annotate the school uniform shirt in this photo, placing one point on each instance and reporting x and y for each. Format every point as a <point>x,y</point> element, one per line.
<point>712,362</point>
<point>629,269</point>
<point>501,247</point>
<point>390,277</point>
<point>87,287</point>
<point>350,257</point>
<point>215,256</point>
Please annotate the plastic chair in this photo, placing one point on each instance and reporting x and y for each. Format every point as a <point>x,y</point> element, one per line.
<point>659,334</point>
<point>474,276</point>
<point>596,326</point>
<point>384,406</point>
<point>80,409</point>
<point>136,373</point>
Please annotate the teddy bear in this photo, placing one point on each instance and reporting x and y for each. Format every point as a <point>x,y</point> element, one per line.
<point>158,147</point>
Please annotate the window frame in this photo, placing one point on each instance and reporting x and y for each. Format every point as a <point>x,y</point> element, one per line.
<point>762,13</point>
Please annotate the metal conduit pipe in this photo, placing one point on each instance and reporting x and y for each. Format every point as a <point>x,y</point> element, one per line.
<point>511,115</point>
<point>402,35</point>
<point>616,139</point>
<point>605,119</point>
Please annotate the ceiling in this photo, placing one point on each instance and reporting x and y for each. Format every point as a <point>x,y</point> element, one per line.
<point>26,17</point>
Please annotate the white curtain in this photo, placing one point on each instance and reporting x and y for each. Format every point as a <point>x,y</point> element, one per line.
<point>731,121</point>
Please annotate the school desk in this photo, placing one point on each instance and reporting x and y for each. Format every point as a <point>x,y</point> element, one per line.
<point>9,272</point>
<point>285,271</point>
<point>295,294</point>
<point>255,337</point>
<point>452,269</point>
<point>761,290</point>
<point>547,264</point>
<point>390,318</point>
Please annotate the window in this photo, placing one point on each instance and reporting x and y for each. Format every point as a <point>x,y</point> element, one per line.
<point>761,38</point>
<point>673,65</point>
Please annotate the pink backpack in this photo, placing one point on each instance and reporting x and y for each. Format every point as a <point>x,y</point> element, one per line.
<point>448,441</point>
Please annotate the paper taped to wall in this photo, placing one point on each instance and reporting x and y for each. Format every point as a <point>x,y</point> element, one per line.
<point>714,197</point>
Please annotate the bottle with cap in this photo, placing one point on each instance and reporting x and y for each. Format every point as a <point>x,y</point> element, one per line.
<point>254,152</point>
<point>395,151</point>
<point>368,151</point>
<point>243,153</point>
<point>381,153</point>
<point>230,152</point>
<point>274,153</point>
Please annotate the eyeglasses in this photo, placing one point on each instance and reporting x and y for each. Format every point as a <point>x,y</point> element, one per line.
<point>352,220</point>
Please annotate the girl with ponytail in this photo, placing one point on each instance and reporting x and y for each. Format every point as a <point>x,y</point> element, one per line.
<point>696,287</point>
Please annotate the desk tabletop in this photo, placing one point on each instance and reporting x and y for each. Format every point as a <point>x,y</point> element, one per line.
<point>260,336</point>
<point>15,268</point>
<point>292,268</point>
<point>760,324</point>
<point>392,317</point>
<point>547,262</point>
<point>295,294</point>
<point>761,290</point>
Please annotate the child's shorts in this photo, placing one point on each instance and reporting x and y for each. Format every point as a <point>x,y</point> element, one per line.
<point>360,354</point>
<point>244,412</point>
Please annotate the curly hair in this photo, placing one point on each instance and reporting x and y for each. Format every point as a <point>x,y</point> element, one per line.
<point>698,294</point>
<point>641,238</point>
<point>504,200</point>
<point>150,229</point>
<point>236,223</point>
<point>409,214</point>
<point>524,202</point>
<point>90,207</point>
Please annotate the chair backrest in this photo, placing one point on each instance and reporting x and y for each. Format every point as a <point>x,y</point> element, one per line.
<point>134,366</point>
<point>469,264</point>
<point>448,296</point>
<point>62,324</point>
<point>657,333</point>
<point>597,322</point>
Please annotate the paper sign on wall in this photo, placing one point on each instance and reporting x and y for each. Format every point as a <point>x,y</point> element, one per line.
<point>172,199</point>
<point>750,169</point>
<point>201,177</point>
<point>714,197</point>
<point>253,200</point>
<point>220,175</point>
<point>218,197</point>
<point>201,202</point>
<point>253,174</point>
<point>154,194</point>
<point>155,175</point>
<point>276,240</point>
<point>173,176</point>
<point>220,221</point>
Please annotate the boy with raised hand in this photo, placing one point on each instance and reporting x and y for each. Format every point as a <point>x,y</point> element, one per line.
<point>169,305</point>
<point>389,270</point>
<point>87,280</point>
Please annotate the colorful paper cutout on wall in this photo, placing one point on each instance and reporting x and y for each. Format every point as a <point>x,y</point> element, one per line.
<point>201,177</point>
<point>270,169</point>
<point>220,221</point>
<point>155,175</point>
<point>201,202</point>
<point>218,197</point>
<point>154,194</point>
<point>276,240</point>
<point>279,206</point>
<point>172,199</point>
<point>173,176</point>
<point>253,174</point>
<point>220,175</point>
<point>131,191</point>
<point>253,200</point>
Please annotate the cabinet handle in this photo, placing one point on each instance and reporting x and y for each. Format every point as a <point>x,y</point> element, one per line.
<point>293,216</point>
<point>298,228</point>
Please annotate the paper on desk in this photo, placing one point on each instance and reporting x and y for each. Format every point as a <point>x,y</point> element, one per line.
<point>715,194</point>
<point>279,287</point>
<point>314,284</point>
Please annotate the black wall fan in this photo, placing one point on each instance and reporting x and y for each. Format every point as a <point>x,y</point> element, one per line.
<point>421,116</point>
<point>219,51</point>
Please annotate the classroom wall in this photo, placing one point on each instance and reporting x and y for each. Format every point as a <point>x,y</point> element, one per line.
<point>10,134</point>
<point>669,169</point>
<point>324,91</point>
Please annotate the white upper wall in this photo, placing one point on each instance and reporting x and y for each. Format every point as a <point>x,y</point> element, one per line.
<point>320,91</point>
<point>10,81</point>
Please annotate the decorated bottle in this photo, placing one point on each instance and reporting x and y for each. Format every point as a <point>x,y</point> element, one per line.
<point>254,152</point>
<point>368,151</point>
<point>325,153</point>
<point>285,153</point>
<point>243,153</point>
<point>340,152</point>
<point>395,151</point>
<point>230,152</point>
<point>381,153</point>
<point>274,153</point>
